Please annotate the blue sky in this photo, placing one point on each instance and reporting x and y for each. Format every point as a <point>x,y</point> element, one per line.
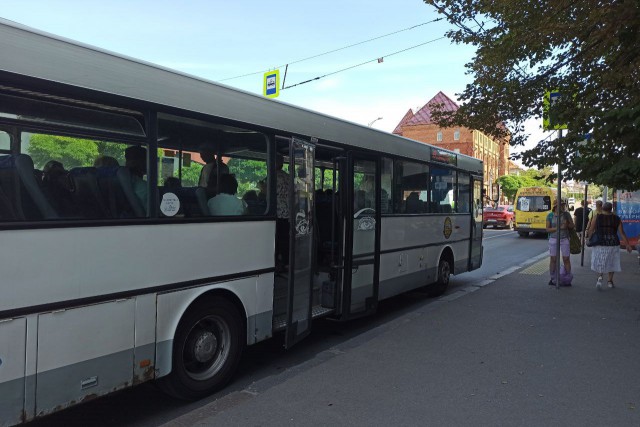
<point>219,39</point>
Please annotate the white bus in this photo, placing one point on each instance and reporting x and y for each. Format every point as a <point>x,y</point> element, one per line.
<point>121,264</point>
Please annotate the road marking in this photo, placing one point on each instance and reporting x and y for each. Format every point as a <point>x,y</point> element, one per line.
<point>484,236</point>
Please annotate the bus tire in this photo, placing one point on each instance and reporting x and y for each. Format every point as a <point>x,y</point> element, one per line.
<point>207,347</point>
<point>442,281</point>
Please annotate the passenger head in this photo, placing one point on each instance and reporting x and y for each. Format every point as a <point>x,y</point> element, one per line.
<point>172,182</point>
<point>607,207</point>
<point>598,204</point>
<point>105,161</point>
<point>207,152</point>
<point>250,196</point>
<point>228,184</point>
<point>53,167</point>
<point>136,160</point>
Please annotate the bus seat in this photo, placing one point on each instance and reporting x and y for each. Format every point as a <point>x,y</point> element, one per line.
<point>413,203</point>
<point>445,208</point>
<point>117,192</point>
<point>7,211</point>
<point>19,183</point>
<point>86,193</point>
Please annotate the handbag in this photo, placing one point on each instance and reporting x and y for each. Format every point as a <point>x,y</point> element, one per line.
<point>594,240</point>
<point>574,242</point>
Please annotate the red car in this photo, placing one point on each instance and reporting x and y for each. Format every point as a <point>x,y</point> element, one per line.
<point>501,216</point>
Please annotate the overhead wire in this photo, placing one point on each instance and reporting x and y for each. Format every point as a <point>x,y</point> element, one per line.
<point>334,50</point>
<point>364,63</point>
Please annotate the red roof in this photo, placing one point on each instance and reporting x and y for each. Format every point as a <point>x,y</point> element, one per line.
<point>408,116</point>
<point>423,116</point>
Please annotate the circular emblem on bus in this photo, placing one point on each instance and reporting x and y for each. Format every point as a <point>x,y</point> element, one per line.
<point>448,228</point>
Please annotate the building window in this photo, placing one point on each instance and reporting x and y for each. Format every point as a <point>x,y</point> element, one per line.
<point>456,135</point>
<point>439,136</point>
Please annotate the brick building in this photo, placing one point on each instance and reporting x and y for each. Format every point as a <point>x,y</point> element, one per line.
<point>419,126</point>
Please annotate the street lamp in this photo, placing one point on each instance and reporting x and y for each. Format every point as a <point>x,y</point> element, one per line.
<point>373,121</point>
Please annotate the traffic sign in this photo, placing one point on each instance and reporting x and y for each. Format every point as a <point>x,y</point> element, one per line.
<point>271,84</point>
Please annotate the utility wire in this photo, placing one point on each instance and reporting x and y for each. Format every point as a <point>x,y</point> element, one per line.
<point>334,50</point>
<point>364,63</point>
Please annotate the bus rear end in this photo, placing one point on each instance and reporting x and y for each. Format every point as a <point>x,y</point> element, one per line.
<point>531,209</point>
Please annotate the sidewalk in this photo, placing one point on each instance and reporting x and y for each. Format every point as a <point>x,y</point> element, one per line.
<point>510,351</point>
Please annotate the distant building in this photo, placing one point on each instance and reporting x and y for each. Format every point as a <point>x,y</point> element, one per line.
<point>514,168</point>
<point>419,126</point>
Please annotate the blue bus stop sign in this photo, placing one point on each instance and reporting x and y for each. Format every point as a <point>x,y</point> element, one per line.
<point>271,84</point>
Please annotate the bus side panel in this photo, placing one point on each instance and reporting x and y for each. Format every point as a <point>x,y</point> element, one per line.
<point>172,306</point>
<point>12,370</point>
<point>84,353</point>
<point>145,344</point>
<point>402,270</point>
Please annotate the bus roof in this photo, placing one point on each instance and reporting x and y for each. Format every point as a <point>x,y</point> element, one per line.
<point>30,52</point>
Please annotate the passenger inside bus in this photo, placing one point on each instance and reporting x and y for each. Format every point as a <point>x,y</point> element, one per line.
<point>226,202</point>
<point>57,188</point>
<point>208,154</point>
<point>136,162</point>
<point>105,161</point>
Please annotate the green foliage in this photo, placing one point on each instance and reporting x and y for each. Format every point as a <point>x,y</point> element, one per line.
<point>510,184</point>
<point>191,174</point>
<point>248,173</point>
<point>588,50</point>
<point>71,152</point>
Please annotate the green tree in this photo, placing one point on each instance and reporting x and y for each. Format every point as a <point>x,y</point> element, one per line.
<point>71,152</point>
<point>248,173</point>
<point>588,50</point>
<point>509,185</point>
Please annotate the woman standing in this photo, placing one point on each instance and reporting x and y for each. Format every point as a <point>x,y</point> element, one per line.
<point>605,256</point>
<point>552,228</point>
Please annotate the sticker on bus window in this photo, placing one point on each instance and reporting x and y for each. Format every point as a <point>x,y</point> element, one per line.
<point>170,204</point>
<point>524,204</point>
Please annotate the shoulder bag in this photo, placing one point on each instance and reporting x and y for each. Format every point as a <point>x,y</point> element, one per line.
<point>574,242</point>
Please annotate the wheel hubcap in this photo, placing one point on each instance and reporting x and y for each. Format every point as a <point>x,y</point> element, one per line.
<point>205,346</point>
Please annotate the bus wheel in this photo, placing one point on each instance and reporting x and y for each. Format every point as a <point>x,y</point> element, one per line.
<point>444,273</point>
<point>206,350</point>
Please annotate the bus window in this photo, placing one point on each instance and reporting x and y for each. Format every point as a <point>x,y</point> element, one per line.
<point>5,142</point>
<point>443,189</point>
<point>464,194</point>
<point>410,187</point>
<point>82,178</point>
<point>386,184</point>
<point>194,157</point>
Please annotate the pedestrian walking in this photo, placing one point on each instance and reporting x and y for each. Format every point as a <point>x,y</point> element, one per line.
<point>605,253</point>
<point>561,232</point>
<point>579,215</point>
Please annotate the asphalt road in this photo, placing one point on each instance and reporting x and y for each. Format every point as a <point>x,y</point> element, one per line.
<point>145,405</point>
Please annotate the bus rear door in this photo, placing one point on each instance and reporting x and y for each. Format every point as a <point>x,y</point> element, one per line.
<point>301,240</point>
<point>361,219</point>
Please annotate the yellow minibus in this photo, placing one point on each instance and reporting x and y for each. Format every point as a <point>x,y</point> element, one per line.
<point>531,208</point>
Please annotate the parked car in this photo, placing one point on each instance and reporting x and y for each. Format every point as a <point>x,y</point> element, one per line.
<point>501,216</point>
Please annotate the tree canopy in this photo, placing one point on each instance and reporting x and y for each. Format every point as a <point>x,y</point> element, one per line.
<point>588,50</point>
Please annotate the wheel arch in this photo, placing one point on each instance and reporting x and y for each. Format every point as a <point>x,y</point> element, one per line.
<point>180,305</point>
<point>447,253</point>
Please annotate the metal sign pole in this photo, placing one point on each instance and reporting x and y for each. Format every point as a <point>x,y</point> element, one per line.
<point>558,219</point>
<point>584,224</point>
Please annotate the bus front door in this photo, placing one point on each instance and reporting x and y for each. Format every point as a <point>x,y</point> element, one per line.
<point>475,249</point>
<point>301,240</point>
<point>361,219</point>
